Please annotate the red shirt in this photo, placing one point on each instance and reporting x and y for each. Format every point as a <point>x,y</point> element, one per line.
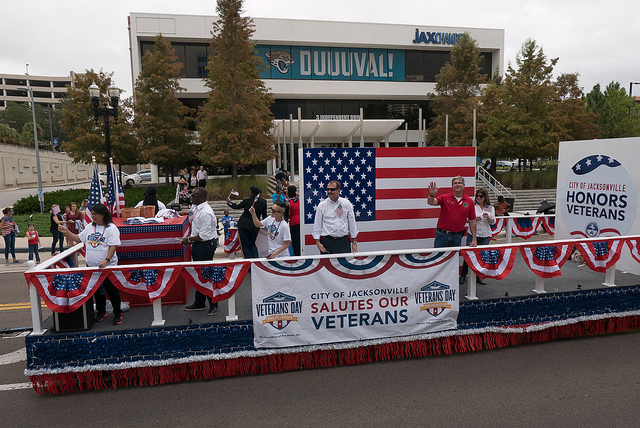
<point>32,237</point>
<point>454,214</point>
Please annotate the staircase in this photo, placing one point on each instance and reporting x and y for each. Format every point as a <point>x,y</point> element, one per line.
<point>526,201</point>
<point>220,206</point>
<point>529,200</point>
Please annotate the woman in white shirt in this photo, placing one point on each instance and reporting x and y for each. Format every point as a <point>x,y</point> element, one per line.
<point>279,235</point>
<point>101,238</point>
<point>485,217</point>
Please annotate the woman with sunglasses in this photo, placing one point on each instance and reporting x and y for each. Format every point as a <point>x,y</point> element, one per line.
<point>101,238</point>
<point>485,217</point>
<point>279,235</point>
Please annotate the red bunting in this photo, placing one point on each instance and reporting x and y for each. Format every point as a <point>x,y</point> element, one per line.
<point>65,291</point>
<point>546,261</point>
<point>600,255</point>
<point>495,263</point>
<point>218,281</point>
<point>154,282</point>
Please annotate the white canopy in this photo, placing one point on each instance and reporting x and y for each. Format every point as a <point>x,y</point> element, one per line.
<point>334,131</point>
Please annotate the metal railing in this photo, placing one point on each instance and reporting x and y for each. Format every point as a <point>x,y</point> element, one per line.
<point>492,183</point>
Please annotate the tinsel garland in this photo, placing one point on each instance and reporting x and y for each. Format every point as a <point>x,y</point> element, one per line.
<point>279,360</point>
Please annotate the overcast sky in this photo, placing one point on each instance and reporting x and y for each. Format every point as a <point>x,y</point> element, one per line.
<point>594,38</point>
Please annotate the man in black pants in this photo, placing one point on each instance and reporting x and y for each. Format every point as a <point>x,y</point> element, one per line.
<point>203,241</point>
<point>246,229</point>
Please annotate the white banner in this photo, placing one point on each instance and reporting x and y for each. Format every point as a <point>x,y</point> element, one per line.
<point>314,301</point>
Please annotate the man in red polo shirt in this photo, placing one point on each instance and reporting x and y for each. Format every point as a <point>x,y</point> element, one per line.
<point>455,210</point>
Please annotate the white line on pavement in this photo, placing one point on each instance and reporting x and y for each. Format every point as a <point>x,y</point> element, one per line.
<point>15,386</point>
<point>14,357</point>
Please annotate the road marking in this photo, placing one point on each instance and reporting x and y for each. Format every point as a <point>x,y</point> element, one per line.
<point>14,357</point>
<point>14,306</point>
<point>15,386</point>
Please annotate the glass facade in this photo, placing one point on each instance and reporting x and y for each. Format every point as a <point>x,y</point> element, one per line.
<point>324,63</point>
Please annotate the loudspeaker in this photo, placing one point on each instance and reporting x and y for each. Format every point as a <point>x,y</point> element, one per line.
<point>80,319</point>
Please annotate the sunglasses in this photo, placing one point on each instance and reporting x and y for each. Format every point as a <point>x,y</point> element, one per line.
<point>331,189</point>
<point>276,211</point>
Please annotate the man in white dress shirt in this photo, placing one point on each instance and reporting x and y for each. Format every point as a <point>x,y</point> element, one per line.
<point>335,221</point>
<point>203,241</point>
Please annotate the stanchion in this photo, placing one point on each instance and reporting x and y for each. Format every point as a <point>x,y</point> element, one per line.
<point>610,277</point>
<point>471,286</point>
<point>539,285</point>
<point>36,309</point>
<point>157,313</point>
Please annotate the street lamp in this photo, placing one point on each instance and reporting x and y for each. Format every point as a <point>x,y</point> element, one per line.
<point>35,138</point>
<point>109,109</point>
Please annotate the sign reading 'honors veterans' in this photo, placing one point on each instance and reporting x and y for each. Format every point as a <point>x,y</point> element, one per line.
<point>598,198</point>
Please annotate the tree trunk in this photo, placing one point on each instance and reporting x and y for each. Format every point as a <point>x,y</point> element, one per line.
<point>234,173</point>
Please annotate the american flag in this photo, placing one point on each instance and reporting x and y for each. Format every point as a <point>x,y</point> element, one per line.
<point>95,195</point>
<point>115,195</point>
<point>388,188</point>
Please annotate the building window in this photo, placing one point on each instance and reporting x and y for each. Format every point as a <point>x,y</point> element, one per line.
<point>202,66</point>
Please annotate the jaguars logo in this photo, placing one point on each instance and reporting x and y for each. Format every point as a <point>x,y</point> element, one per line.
<point>280,60</point>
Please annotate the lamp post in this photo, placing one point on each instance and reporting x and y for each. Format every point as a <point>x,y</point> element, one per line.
<point>109,109</point>
<point>35,139</point>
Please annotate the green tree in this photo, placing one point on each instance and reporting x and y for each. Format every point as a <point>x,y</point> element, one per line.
<point>8,135</point>
<point>162,121</point>
<point>578,123</point>
<point>618,115</point>
<point>86,139</point>
<point>235,121</point>
<point>47,118</point>
<point>457,91</point>
<point>524,123</point>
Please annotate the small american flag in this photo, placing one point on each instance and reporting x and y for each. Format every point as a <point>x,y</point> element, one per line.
<point>95,195</point>
<point>115,195</point>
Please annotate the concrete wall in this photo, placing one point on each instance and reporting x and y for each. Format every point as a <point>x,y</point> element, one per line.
<point>18,168</point>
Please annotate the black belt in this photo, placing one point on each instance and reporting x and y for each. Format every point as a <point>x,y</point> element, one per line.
<point>334,237</point>
<point>449,233</point>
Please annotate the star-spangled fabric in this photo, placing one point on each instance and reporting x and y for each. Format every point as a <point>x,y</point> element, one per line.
<point>634,248</point>
<point>95,194</point>
<point>152,283</point>
<point>600,255</point>
<point>66,291</point>
<point>525,227</point>
<point>546,261</point>
<point>549,224</point>
<point>497,227</point>
<point>388,189</point>
<point>496,263</point>
<point>218,282</point>
<point>231,243</point>
<point>115,194</point>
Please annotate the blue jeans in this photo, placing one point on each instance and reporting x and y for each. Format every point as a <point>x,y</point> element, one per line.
<point>33,248</point>
<point>10,245</point>
<point>444,239</point>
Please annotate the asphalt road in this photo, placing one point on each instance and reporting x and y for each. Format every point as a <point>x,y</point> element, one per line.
<point>583,382</point>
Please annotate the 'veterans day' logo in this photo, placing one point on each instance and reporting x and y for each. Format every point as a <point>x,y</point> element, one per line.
<point>279,310</point>
<point>598,198</point>
<point>435,297</point>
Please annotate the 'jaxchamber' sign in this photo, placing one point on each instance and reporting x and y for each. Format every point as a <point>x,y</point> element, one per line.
<point>313,301</point>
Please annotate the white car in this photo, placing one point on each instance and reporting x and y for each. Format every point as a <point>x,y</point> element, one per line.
<point>124,179</point>
<point>144,174</point>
